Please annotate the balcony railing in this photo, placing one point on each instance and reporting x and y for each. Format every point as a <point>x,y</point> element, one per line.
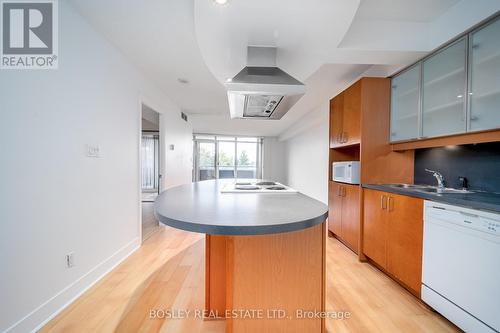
<point>228,172</point>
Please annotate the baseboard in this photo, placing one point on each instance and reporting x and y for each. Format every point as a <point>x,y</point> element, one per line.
<point>37,318</point>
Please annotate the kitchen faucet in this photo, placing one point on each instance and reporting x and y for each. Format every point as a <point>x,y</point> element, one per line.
<point>439,177</point>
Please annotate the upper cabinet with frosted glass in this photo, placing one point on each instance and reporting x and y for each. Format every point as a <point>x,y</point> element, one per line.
<point>452,91</point>
<point>405,95</point>
<point>443,92</point>
<point>484,78</point>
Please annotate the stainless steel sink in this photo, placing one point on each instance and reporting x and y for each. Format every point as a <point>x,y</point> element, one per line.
<point>443,190</point>
<point>430,189</point>
<point>413,186</point>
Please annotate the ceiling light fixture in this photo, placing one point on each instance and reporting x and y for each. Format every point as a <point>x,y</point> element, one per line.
<point>220,2</point>
<point>183,81</point>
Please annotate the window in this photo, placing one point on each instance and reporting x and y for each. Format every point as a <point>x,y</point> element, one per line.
<point>150,162</point>
<point>226,157</point>
<point>206,160</point>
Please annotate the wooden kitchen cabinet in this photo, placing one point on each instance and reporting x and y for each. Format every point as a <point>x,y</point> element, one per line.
<point>334,208</point>
<point>405,239</point>
<point>345,112</point>
<point>375,227</point>
<point>336,114</point>
<point>351,122</point>
<point>350,216</point>
<point>359,131</point>
<point>343,216</point>
<point>393,235</point>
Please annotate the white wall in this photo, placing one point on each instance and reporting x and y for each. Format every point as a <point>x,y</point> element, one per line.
<point>273,156</point>
<point>54,199</point>
<point>177,164</point>
<point>306,157</point>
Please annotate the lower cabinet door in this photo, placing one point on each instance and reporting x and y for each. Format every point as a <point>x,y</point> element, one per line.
<point>404,240</point>
<point>375,226</point>
<point>334,208</point>
<point>350,216</point>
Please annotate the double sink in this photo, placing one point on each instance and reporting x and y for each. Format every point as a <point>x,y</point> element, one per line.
<point>430,189</point>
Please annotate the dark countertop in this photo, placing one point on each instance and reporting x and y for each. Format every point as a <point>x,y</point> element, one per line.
<point>200,207</point>
<point>476,200</point>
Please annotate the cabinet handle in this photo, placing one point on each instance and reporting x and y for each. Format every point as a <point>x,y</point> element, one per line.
<point>383,203</point>
<point>338,191</point>
<point>391,204</point>
<point>344,136</point>
<point>343,191</point>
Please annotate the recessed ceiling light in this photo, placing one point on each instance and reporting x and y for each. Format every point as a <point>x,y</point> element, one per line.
<point>220,2</point>
<point>183,81</point>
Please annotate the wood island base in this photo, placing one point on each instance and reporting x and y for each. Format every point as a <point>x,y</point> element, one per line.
<point>267,283</point>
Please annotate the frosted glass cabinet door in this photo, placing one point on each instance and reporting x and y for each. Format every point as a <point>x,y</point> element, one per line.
<point>484,93</point>
<point>443,91</point>
<point>405,105</point>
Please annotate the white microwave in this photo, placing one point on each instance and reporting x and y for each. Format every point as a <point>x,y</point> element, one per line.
<point>346,172</point>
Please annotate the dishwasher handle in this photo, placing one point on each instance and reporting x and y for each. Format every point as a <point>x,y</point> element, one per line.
<point>469,214</point>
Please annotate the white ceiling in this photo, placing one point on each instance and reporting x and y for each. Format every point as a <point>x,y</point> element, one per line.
<point>158,37</point>
<point>303,32</point>
<point>404,10</point>
<point>325,43</point>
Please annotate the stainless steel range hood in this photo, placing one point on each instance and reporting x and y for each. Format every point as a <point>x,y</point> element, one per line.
<point>262,92</point>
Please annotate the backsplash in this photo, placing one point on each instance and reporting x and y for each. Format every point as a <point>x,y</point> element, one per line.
<point>479,163</point>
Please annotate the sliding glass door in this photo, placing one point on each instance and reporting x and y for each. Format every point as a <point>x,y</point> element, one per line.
<point>226,157</point>
<point>206,160</point>
<point>248,154</point>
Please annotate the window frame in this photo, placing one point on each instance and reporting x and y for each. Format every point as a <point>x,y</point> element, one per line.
<point>235,139</point>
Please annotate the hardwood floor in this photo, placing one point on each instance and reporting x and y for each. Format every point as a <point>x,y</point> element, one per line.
<point>167,272</point>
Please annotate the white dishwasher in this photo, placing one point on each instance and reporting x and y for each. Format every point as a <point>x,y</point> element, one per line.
<point>461,266</point>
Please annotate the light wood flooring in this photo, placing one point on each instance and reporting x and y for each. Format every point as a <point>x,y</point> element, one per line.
<point>167,272</point>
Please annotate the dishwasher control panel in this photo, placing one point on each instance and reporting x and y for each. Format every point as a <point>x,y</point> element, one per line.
<point>493,226</point>
<point>464,217</point>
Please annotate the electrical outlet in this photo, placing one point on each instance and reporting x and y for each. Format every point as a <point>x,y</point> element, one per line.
<point>93,151</point>
<point>70,260</point>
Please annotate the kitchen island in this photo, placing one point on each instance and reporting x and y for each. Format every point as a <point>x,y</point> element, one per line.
<point>265,254</point>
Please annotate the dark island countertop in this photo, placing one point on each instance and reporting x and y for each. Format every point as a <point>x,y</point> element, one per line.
<point>476,200</point>
<point>201,207</point>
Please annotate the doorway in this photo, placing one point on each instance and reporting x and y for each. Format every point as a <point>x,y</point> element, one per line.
<point>150,168</point>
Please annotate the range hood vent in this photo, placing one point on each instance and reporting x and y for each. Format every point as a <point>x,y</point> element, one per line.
<point>262,92</point>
